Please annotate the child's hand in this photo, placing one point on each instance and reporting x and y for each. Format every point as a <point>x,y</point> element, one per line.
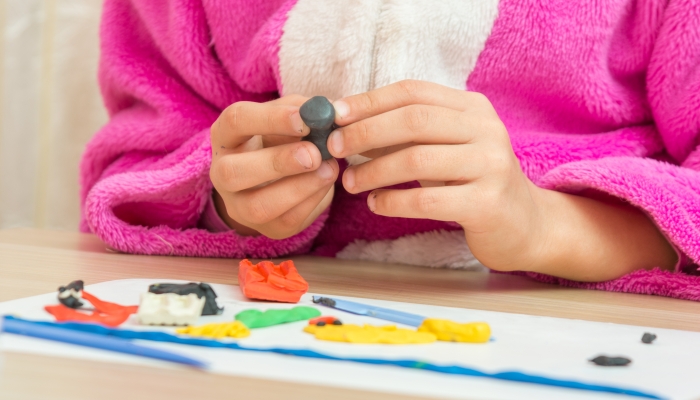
<point>267,180</point>
<point>451,141</point>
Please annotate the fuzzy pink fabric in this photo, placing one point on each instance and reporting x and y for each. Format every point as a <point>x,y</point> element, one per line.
<point>594,95</point>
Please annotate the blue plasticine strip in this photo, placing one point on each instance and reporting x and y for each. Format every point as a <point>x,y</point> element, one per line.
<point>413,364</point>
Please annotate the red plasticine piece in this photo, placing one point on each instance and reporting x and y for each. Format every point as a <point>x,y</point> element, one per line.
<point>105,313</point>
<point>328,320</point>
<point>67,314</point>
<point>107,307</point>
<point>267,281</point>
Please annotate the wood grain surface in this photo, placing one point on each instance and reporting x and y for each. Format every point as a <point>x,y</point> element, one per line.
<point>34,262</point>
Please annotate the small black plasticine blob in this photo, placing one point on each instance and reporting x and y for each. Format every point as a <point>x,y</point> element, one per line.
<point>200,289</point>
<point>606,361</point>
<point>70,294</point>
<point>318,114</point>
<point>325,301</point>
<point>321,323</point>
<point>648,338</point>
<point>337,322</point>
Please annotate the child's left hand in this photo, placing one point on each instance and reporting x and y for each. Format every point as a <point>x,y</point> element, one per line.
<point>453,142</point>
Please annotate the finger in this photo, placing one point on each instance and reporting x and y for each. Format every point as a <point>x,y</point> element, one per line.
<point>301,216</point>
<point>259,206</point>
<point>444,203</point>
<point>410,124</point>
<point>290,100</point>
<point>235,172</point>
<point>244,119</point>
<point>404,93</point>
<point>276,140</point>
<point>442,163</point>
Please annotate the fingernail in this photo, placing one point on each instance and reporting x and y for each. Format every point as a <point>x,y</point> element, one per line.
<point>325,171</point>
<point>303,157</point>
<point>297,123</point>
<point>342,109</point>
<point>372,201</point>
<point>349,179</point>
<point>336,141</point>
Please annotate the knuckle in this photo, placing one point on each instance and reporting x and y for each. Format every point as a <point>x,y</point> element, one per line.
<point>501,165</point>
<point>426,202</point>
<point>479,98</point>
<point>227,174</point>
<point>411,88</point>
<point>257,211</point>
<point>290,221</point>
<point>270,121</point>
<point>214,131</point>
<point>366,174</point>
<point>367,102</point>
<point>416,118</point>
<point>494,126</point>
<point>232,116</point>
<point>481,102</point>
<point>361,133</point>
<point>386,201</point>
<point>498,162</point>
<point>278,163</point>
<point>419,159</point>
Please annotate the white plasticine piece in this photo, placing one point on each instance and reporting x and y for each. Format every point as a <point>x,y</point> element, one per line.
<point>70,293</point>
<point>170,309</point>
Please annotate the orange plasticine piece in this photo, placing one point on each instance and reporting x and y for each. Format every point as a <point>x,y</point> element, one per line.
<point>267,281</point>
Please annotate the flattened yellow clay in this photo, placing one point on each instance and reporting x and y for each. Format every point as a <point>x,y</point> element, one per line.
<point>450,331</point>
<point>369,334</point>
<point>220,330</point>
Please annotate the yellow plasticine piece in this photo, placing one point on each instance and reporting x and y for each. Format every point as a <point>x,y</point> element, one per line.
<point>335,333</point>
<point>368,334</point>
<point>234,329</point>
<point>450,331</point>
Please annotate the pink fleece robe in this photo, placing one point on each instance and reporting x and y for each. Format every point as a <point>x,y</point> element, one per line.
<point>595,96</point>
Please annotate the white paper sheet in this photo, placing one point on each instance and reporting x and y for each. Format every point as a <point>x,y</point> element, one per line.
<point>553,347</point>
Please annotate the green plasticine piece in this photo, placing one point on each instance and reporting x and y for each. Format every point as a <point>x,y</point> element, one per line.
<point>257,319</point>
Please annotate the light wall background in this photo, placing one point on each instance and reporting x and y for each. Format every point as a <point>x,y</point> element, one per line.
<point>49,108</point>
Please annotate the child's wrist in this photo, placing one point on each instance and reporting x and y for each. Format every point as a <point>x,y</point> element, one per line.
<point>594,237</point>
<point>541,239</point>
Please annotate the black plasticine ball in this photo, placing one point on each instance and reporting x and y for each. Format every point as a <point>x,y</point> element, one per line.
<point>318,114</point>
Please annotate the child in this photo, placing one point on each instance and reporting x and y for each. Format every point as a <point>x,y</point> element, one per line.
<point>560,139</point>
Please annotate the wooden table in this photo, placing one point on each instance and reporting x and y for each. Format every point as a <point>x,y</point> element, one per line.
<point>34,262</point>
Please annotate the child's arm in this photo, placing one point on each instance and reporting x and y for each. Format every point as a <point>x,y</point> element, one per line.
<point>145,175</point>
<point>430,133</point>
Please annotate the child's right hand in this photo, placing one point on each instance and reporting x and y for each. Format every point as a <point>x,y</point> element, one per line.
<point>267,180</point>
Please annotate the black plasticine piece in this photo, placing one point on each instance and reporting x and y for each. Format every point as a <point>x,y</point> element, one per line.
<point>71,294</point>
<point>324,300</point>
<point>200,289</point>
<point>606,361</point>
<point>648,338</point>
<point>318,114</point>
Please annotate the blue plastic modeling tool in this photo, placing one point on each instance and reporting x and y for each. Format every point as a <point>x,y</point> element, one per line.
<point>399,317</point>
<point>87,339</point>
